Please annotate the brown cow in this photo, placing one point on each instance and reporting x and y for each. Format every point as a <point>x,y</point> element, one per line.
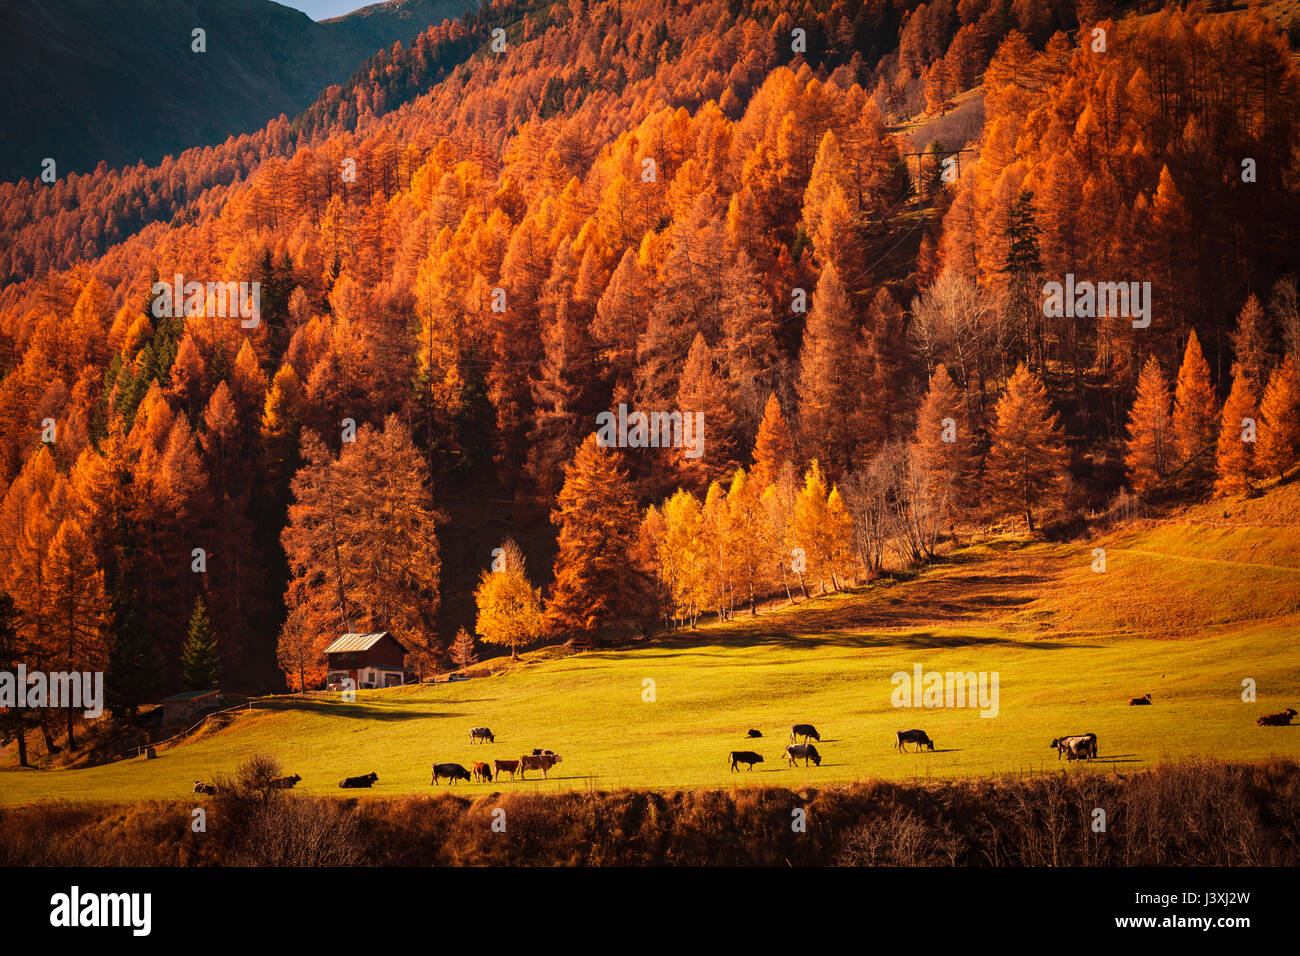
<point>542,762</point>
<point>505,766</point>
<point>1139,701</point>
<point>1277,720</point>
<point>285,783</point>
<point>482,772</point>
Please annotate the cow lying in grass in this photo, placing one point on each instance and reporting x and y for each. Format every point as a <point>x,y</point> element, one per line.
<point>804,752</point>
<point>1077,747</point>
<point>918,737</point>
<point>746,757</point>
<point>1138,701</point>
<point>451,771</point>
<point>359,782</point>
<point>207,788</point>
<point>482,772</point>
<point>286,783</point>
<point>1277,720</point>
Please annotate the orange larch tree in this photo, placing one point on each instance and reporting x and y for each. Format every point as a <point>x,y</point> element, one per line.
<point>597,584</point>
<point>1196,410</point>
<point>1279,426</point>
<point>774,446</point>
<point>1026,464</point>
<point>362,541</point>
<point>1150,429</point>
<point>828,398</point>
<point>79,621</point>
<point>945,444</point>
<point>1235,462</point>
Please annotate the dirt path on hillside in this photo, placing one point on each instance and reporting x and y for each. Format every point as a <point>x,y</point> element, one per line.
<point>959,590</point>
<point>1227,561</point>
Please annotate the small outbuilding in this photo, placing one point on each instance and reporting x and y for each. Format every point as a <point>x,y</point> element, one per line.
<point>183,707</point>
<point>371,660</point>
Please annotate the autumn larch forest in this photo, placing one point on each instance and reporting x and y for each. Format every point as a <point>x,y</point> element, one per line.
<point>828,231</point>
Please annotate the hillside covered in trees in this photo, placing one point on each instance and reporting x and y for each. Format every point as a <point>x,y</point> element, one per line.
<point>550,215</point>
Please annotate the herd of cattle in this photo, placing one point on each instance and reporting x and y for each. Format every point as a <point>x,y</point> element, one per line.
<point>794,752</point>
<point>1074,747</point>
<point>481,772</point>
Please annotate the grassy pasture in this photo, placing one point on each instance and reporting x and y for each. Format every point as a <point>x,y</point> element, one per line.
<point>1184,611</point>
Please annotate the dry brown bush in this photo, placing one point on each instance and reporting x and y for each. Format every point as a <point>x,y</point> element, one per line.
<point>1196,813</point>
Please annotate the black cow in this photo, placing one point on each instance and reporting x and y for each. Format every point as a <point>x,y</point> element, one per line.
<point>746,757</point>
<point>481,733</point>
<point>452,771</point>
<point>805,752</point>
<point>1139,701</point>
<point>286,783</point>
<point>753,733</point>
<point>352,782</point>
<point>806,731</point>
<point>918,737</point>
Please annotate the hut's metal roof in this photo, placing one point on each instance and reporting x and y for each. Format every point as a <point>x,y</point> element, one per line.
<point>357,642</point>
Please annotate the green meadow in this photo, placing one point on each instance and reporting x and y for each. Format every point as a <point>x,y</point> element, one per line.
<point>1185,610</point>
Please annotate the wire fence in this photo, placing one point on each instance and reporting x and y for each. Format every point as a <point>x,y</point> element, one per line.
<point>159,744</point>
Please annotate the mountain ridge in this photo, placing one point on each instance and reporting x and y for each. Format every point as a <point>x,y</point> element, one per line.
<point>116,101</point>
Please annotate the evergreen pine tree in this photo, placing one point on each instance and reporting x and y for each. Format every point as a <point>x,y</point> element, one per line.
<point>200,665</point>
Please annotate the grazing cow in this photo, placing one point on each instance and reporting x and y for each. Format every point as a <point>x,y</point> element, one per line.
<point>746,757</point>
<point>1139,701</point>
<point>806,731</point>
<point>1277,720</point>
<point>805,752</point>
<point>918,737</point>
<point>353,782</point>
<point>482,772</point>
<point>542,762</point>
<point>286,783</point>
<point>753,733</point>
<point>483,734</point>
<point>209,788</point>
<point>505,766</point>
<point>1077,747</point>
<point>452,771</point>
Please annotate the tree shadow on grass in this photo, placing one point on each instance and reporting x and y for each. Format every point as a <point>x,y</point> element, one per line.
<point>965,590</point>
<point>356,711</point>
<point>719,643</point>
